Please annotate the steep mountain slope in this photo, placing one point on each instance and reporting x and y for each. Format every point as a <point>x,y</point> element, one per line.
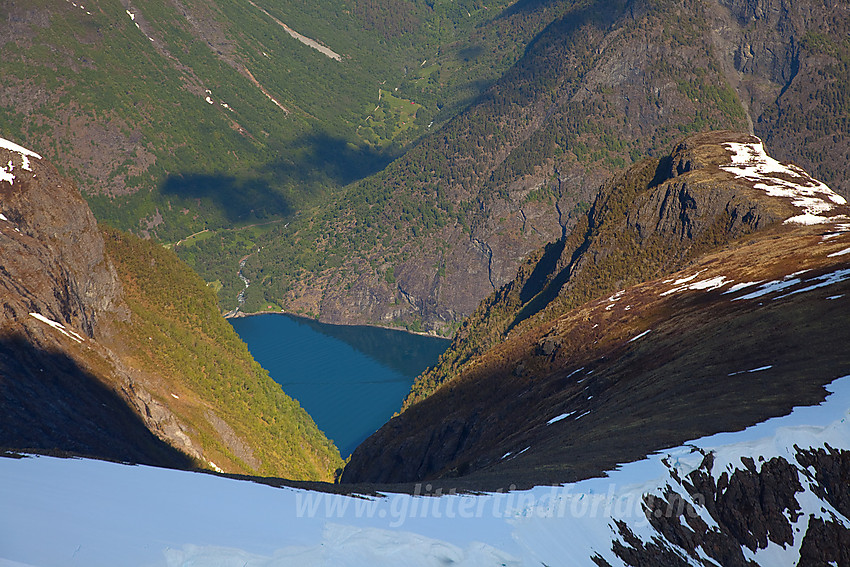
<point>605,83</point>
<point>654,219</point>
<point>741,318</point>
<point>220,128</point>
<point>116,350</point>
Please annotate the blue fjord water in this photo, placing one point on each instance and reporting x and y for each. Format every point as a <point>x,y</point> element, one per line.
<point>349,379</point>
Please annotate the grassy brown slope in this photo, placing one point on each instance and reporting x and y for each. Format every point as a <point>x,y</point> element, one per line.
<point>686,378</point>
<point>178,341</point>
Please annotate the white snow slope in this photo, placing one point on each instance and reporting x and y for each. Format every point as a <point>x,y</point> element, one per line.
<point>82,512</point>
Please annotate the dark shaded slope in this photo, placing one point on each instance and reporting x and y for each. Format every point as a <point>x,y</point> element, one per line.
<point>51,404</point>
<point>706,363</point>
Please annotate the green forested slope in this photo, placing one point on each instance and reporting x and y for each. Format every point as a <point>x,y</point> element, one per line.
<point>503,118</point>
<point>604,82</point>
<point>534,146</point>
<point>162,110</point>
<point>204,373</point>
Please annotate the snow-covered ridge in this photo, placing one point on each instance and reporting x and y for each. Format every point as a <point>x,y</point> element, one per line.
<point>814,198</point>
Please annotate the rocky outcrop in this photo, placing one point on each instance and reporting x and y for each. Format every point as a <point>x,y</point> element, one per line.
<point>53,261</point>
<point>755,506</point>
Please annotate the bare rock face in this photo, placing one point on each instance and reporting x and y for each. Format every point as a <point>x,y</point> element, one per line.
<point>756,506</point>
<point>61,389</point>
<point>53,254</point>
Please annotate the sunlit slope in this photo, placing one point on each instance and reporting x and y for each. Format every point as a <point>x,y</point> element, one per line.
<point>175,117</point>
<point>603,84</point>
<point>198,367</point>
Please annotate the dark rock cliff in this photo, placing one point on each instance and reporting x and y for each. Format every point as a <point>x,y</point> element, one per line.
<point>743,511</point>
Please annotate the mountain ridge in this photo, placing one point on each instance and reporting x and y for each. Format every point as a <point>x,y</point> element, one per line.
<point>640,366</point>
<point>490,170</point>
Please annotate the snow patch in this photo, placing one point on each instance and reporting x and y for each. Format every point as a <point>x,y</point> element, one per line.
<point>559,418</point>
<point>751,162</point>
<point>59,327</point>
<point>686,279</point>
<point>13,147</point>
<point>841,253</point>
<point>614,298</point>
<point>704,285</point>
<point>739,286</point>
<point>574,372</point>
<point>759,369</point>
<point>6,173</point>
<point>771,287</point>
<point>709,284</point>
<point>807,219</point>
<point>643,334</point>
<point>835,277</point>
<point>617,295</point>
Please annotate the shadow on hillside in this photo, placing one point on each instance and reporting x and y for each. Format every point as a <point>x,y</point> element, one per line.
<point>304,167</point>
<point>238,197</point>
<point>320,157</point>
<point>51,405</point>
